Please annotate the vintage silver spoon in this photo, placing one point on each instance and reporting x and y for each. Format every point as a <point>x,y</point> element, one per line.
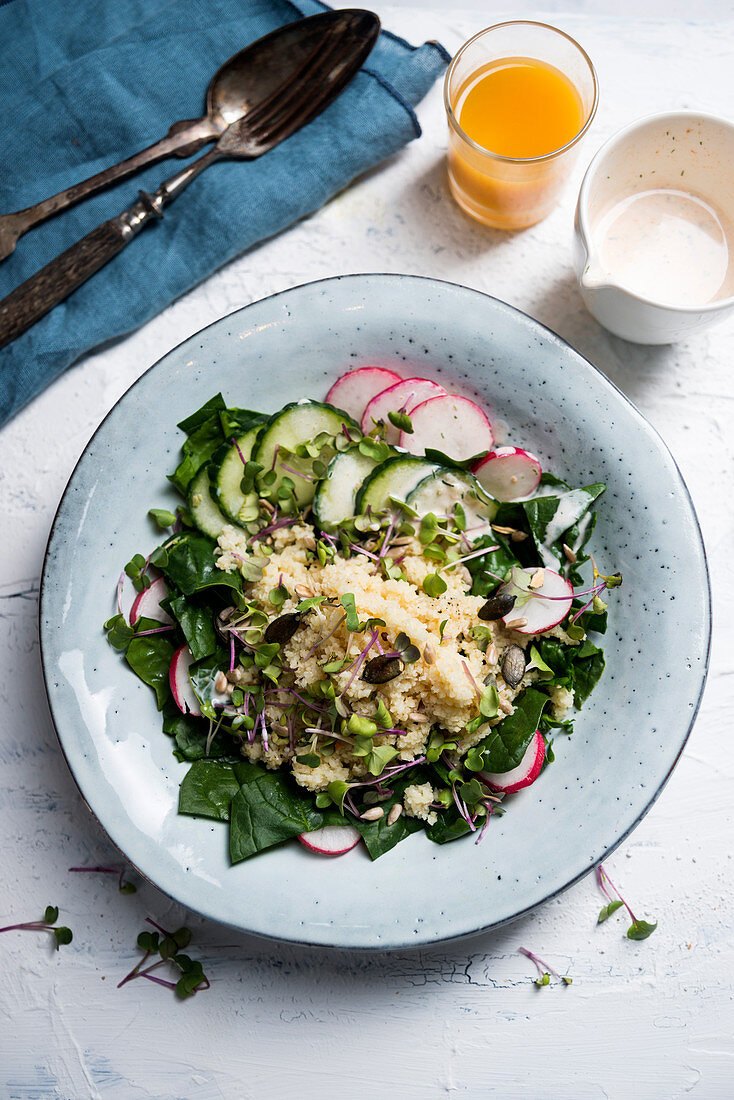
<point>294,74</point>
<point>231,94</point>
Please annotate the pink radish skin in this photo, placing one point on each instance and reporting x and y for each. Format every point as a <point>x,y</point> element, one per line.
<point>332,840</point>
<point>354,390</point>
<point>147,604</point>
<point>542,614</point>
<point>526,772</point>
<point>181,689</point>
<point>454,425</point>
<point>509,473</point>
<point>403,397</point>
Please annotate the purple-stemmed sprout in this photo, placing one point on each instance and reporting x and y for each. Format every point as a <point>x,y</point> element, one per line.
<point>192,979</point>
<point>154,630</point>
<point>639,929</point>
<point>60,932</point>
<point>360,661</point>
<point>468,557</point>
<point>346,433</point>
<point>275,457</point>
<point>239,452</point>
<point>463,809</point>
<point>123,886</point>
<point>298,473</point>
<point>290,691</point>
<point>231,653</point>
<point>320,641</point>
<point>263,533</point>
<point>544,970</point>
<point>361,550</point>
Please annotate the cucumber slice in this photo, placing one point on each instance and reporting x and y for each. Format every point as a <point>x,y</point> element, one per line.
<point>203,507</point>
<point>225,475</point>
<point>444,489</point>
<point>334,499</point>
<point>396,477</point>
<point>299,423</point>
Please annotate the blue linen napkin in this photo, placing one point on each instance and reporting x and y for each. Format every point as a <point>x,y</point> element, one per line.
<point>89,83</point>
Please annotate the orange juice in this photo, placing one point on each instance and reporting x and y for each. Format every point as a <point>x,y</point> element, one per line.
<point>519,96</point>
<point>520,107</point>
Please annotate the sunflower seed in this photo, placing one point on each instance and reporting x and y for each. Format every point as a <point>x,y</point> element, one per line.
<point>518,536</point>
<point>504,706</point>
<point>374,814</point>
<point>429,654</point>
<point>302,591</point>
<point>394,814</point>
<point>570,555</point>
<point>503,530</point>
<point>220,682</point>
<point>515,624</point>
<point>492,654</point>
<point>537,579</point>
<point>416,716</point>
<point>513,665</point>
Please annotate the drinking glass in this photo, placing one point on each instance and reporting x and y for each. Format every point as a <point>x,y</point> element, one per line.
<point>503,191</point>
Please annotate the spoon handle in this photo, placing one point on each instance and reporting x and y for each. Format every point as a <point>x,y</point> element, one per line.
<point>30,301</point>
<point>182,140</point>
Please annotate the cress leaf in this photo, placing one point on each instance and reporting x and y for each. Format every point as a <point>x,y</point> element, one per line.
<point>640,930</point>
<point>607,911</point>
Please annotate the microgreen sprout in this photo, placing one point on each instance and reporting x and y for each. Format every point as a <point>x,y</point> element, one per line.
<point>639,929</point>
<point>170,948</point>
<point>122,885</point>
<point>544,970</point>
<point>61,933</point>
<point>162,517</point>
<point>401,421</point>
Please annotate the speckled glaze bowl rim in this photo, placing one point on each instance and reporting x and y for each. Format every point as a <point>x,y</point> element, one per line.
<point>608,849</point>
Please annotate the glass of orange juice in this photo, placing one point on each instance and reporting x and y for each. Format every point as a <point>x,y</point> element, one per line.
<point>519,97</point>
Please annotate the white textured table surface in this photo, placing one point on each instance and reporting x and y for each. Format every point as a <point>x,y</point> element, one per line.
<point>652,1019</point>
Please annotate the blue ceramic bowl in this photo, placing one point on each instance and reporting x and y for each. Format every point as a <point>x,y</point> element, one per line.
<point>628,737</point>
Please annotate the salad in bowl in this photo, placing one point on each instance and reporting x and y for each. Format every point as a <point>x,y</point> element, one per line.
<point>367,617</point>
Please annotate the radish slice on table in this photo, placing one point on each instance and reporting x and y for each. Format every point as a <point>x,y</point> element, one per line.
<point>548,605</point>
<point>147,604</point>
<point>178,677</point>
<point>332,840</point>
<point>354,390</point>
<point>402,397</point>
<point>454,425</point>
<point>526,772</point>
<point>509,473</point>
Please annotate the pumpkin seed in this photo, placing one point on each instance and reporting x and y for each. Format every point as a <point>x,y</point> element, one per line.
<point>513,665</point>
<point>496,607</point>
<point>382,669</point>
<point>282,629</point>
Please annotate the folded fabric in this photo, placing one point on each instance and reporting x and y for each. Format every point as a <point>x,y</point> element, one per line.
<point>87,84</point>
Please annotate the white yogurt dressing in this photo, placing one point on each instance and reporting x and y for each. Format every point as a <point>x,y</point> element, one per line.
<point>570,506</point>
<point>665,245</point>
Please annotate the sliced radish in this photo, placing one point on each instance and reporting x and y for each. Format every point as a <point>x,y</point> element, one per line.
<point>526,772</point>
<point>454,425</point>
<point>509,473</point>
<point>547,607</point>
<point>180,681</point>
<point>354,390</point>
<point>332,840</point>
<point>403,397</point>
<point>147,604</point>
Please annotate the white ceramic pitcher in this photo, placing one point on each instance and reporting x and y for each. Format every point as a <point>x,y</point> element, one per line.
<point>683,151</point>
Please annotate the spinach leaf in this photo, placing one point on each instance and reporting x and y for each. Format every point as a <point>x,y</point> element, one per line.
<point>190,735</point>
<point>267,810</point>
<point>188,561</point>
<point>197,624</point>
<point>239,421</point>
<point>207,790</point>
<point>207,410</point>
<point>450,826</point>
<point>587,670</point>
<point>543,514</point>
<point>150,659</point>
<point>504,746</point>
<point>379,837</point>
